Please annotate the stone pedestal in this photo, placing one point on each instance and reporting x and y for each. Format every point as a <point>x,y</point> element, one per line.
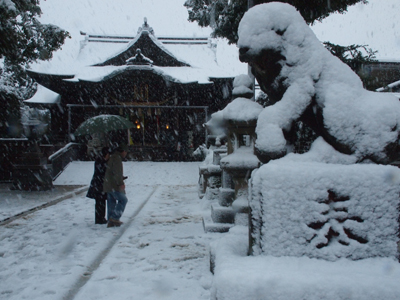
<point>232,207</point>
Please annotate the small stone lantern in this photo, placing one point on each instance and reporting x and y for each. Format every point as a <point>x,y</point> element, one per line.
<point>31,172</point>
<point>240,119</point>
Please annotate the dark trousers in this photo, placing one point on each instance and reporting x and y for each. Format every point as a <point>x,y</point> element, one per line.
<point>100,209</point>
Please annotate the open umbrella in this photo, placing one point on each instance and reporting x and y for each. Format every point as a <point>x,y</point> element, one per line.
<point>103,124</point>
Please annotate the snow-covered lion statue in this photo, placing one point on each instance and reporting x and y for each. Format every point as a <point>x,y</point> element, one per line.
<point>305,82</point>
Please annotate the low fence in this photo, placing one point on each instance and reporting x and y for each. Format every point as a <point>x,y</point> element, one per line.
<point>60,159</point>
<point>12,148</point>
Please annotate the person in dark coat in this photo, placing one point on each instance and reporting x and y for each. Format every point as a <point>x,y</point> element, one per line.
<point>96,186</point>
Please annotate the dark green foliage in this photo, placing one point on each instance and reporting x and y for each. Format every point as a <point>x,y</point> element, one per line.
<point>23,39</point>
<point>9,114</point>
<point>224,16</point>
<point>354,55</point>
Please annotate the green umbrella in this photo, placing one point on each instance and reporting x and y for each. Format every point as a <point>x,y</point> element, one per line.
<point>102,124</point>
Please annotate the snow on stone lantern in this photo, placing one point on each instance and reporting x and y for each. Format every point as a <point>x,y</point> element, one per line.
<point>210,171</point>
<point>31,172</point>
<point>240,118</point>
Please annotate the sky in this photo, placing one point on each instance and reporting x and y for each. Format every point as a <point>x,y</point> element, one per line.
<point>121,17</point>
<point>375,24</point>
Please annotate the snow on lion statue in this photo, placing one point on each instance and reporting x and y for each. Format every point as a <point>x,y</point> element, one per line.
<point>305,82</point>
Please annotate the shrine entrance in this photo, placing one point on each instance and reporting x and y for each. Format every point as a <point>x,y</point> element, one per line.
<point>161,133</point>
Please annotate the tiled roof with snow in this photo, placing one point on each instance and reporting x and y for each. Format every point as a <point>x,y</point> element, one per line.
<point>204,56</point>
<point>44,96</point>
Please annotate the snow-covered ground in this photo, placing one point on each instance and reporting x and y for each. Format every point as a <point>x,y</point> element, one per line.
<point>161,252</point>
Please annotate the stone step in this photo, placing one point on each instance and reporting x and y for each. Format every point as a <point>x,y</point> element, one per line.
<point>210,226</point>
<point>222,214</point>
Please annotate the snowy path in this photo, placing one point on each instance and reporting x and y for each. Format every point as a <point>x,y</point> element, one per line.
<point>103,254</point>
<point>163,254</point>
<point>160,252</point>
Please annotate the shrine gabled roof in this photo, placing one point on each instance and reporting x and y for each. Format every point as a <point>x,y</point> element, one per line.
<point>150,47</point>
<point>181,59</point>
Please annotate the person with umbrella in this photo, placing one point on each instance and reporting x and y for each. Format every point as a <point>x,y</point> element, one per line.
<point>96,186</point>
<point>103,124</point>
<point>114,186</point>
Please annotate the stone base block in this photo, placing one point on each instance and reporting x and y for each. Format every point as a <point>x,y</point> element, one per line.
<point>221,214</point>
<point>226,196</point>
<point>212,193</point>
<point>241,205</point>
<point>242,219</point>
<point>210,226</point>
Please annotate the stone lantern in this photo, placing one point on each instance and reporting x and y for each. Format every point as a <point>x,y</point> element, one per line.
<point>31,172</point>
<point>240,119</point>
<point>210,171</point>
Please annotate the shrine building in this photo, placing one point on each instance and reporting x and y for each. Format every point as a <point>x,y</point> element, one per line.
<point>167,86</point>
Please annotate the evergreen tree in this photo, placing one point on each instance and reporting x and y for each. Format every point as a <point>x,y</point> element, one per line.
<point>23,39</point>
<point>354,55</point>
<point>223,16</point>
